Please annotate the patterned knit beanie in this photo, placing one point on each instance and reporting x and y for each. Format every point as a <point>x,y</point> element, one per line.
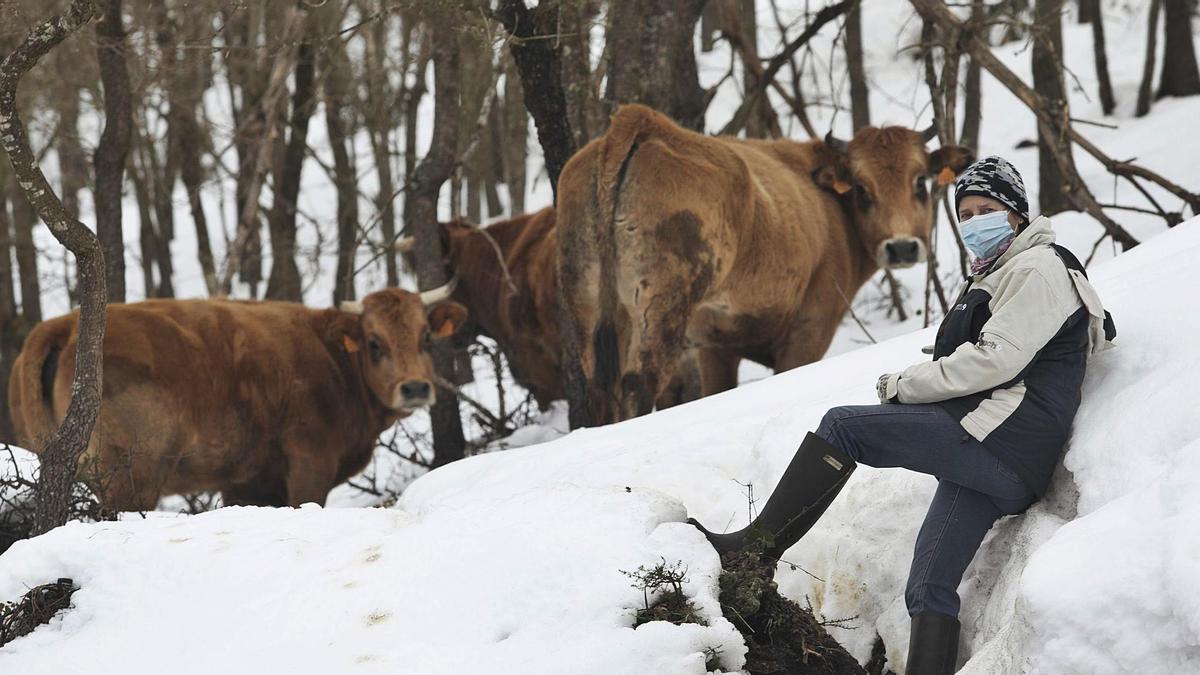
<point>997,178</point>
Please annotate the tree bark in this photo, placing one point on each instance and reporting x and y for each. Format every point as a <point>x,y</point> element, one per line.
<point>1143,101</point>
<point>12,332</point>
<point>61,454</point>
<point>420,216</point>
<point>539,60</point>
<point>1048,81</point>
<point>113,149</point>
<point>575,19</point>
<point>973,96</point>
<point>257,134</point>
<point>24,220</point>
<point>657,64</point>
<point>72,160</point>
<point>1096,16</point>
<point>284,281</point>
<point>1180,75</point>
<point>516,137</point>
<point>860,104</point>
<point>377,117</point>
<point>339,121</point>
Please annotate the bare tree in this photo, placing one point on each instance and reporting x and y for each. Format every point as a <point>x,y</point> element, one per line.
<point>516,136</point>
<point>284,281</point>
<point>657,62</point>
<point>61,454</point>
<point>538,55</point>
<point>336,77</point>
<point>420,216</point>
<point>1091,11</point>
<point>860,108</point>
<point>114,143</point>
<point>1048,82</point>
<point>973,93</point>
<point>1143,100</point>
<point>380,98</point>
<point>1180,75</point>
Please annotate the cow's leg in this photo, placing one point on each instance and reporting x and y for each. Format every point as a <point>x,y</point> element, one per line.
<point>718,370</point>
<point>807,342</point>
<point>311,473</point>
<point>261,492</point>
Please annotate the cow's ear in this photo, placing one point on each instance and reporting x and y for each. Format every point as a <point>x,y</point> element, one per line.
<point>948,161</point>
<point>446,318</point>
<point>832,170</point>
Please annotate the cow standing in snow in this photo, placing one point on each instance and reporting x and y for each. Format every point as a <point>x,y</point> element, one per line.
<point>270,403</point>
<point>739,248</point>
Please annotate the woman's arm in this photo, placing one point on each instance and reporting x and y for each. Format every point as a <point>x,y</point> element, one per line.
<point>1027,312</point>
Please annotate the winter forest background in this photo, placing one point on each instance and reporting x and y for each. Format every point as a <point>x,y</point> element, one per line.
<point>274,149</point>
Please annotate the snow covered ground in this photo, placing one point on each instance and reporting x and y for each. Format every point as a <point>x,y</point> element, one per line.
<point>510,561</point>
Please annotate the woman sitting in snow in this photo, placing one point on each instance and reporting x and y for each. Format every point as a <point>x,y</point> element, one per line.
<point>988,416</point>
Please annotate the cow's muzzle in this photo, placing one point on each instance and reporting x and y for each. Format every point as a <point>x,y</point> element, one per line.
<point>413,394</point>
<point>900,252</point>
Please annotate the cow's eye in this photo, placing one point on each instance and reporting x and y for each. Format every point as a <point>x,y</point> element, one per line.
<point>374,349</point>
<point>920,190</point>
<point>862,196</point>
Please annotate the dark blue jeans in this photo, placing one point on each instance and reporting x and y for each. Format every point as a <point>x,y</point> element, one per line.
<point>974,488</point>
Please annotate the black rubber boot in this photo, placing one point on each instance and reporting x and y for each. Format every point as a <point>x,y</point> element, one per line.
<point>808,486</point>
<point>932,644</point>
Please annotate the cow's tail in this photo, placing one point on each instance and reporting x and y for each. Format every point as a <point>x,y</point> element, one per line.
<point>31,385</point>
<point>629,127</point>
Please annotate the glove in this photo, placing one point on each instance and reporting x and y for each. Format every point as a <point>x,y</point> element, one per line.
<point>887,388</point>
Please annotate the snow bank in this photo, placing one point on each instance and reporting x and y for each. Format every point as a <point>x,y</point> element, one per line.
<point>530,584</point>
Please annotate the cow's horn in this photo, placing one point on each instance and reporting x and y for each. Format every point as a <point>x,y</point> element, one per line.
<point>835,142</point>
<point>404,244</point>
<point>929,134</point>
<point>436,295</point>
<point>351,306</point>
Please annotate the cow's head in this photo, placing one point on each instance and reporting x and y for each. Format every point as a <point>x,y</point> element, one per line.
<point>882,177</point>
<point>398,328</point>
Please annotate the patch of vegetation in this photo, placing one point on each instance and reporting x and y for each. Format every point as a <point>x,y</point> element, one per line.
<point>782,636</point>
<point>664,583</point>
<point>35,608</point>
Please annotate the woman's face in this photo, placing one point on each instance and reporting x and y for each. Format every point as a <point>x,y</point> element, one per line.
<point>978,205</point>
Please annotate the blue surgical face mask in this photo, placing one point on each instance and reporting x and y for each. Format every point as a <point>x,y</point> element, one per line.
<point>985,234</point>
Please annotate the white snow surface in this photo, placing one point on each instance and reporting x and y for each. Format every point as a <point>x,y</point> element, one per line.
<point>510,561</point>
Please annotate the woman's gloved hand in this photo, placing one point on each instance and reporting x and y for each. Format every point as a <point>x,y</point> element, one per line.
<point>887,389</point>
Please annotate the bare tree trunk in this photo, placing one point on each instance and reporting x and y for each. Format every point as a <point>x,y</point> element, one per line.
<point>72,161</point>
<point>113,149</point>
<point>412,103</point>
<point>539,60</point>
<point>145,186</point>
<point>380,98</point>
<point>656,65</point>
<point>860,104</point>
<point>339,121</point>
<point>516,138</point>
<point>972,97</point>
<point>757,124</point>
<point>1048,81</point>
<point>266,119</point>
<point>12,332</point>
<point>60,457</point>
<point>284,282</point>
<point>24,220</point>
<point>574,20</point>
<point>420,216</point>
<point>1095,14</point>
<point>1180,75</point>
<point>1143,101</point>
<point>147,237</point>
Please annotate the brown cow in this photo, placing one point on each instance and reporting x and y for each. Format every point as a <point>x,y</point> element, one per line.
<point>739,248</point>
<point>520,311</point>
<point>271,403</point>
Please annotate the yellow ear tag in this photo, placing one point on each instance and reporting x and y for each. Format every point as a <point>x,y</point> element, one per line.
<point>446,329</point>
<point>945,177</point>
<point>841,187</point>
<point>350,344</point>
